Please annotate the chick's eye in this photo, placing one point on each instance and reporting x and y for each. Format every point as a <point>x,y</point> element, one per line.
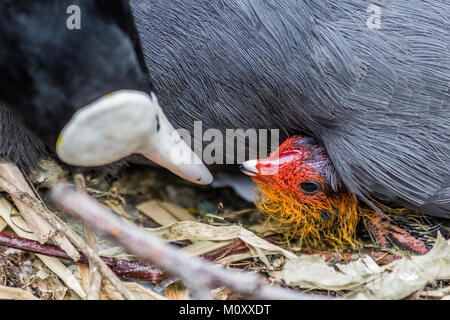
<point>310,187</point>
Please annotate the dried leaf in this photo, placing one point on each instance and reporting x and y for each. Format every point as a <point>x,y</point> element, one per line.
<point>266,229</point>
<point>8,293</point>
<point>365,278</point>
<point>138,291</point>
<point>41,228</point>
<point>19,226</point>
<point>201,247</point>
<point>195,231</point>
<point>159,214</point>
<point>408,275</point>
<point>177,291</point>
<point>84,273</point>
<point>312,272</point>
<point>3,224</point>
<point>178,212</point>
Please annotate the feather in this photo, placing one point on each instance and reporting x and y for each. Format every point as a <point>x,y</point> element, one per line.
<point>378,100</point>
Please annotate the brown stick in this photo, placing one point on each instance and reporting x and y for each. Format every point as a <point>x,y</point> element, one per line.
<point>237,246</point>
<point>123,268</point>
<point>133,270</point>
<point>60,226</point>
<point>196,272</point>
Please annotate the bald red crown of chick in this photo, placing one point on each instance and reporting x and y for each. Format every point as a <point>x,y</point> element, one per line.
<point>301,191</point>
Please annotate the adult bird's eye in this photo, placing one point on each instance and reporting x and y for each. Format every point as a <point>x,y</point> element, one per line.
<point>310,187</point>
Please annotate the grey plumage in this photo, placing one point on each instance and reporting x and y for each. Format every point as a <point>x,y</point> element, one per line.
<point>378,100</point>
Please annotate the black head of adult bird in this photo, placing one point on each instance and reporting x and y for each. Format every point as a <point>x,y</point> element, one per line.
<point>73,80</point>
<point>369,82</point>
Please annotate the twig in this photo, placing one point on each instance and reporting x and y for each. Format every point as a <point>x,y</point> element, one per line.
<point>195,272</point>
<point>134,270</point>
<point>8,293</point>
<point>95,277</point>
<point>40,227</point>
<point>235,247</point>
<point>60,226</point>
<point>20,227</point>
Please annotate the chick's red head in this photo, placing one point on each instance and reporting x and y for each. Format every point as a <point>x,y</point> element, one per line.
<point>301,190</point>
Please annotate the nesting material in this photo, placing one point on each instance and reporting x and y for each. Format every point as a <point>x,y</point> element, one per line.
<point>3,224</point>
<point>364,279</point>
<point>21,228</point>
<point>188,230</point>
<point>8,293</point>
<point>109,292</point>
<point>205,223</point>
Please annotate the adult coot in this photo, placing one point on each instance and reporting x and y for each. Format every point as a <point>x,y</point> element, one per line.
<point>369,82</point>
<point>76,66</point>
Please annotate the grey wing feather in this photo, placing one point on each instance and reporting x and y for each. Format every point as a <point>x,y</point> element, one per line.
<point>378,99</point>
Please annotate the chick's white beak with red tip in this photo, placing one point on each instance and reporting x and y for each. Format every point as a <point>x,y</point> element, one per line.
<point>249,168</point>
<point>265,169</point>
<point>123,123</point>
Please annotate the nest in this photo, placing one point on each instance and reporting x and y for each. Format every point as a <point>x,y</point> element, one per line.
<point>216,225</point>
